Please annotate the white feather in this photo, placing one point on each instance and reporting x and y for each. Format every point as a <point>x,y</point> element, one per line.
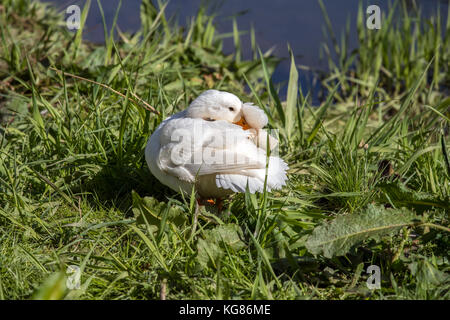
<point>186,150</point>
<point>254,116</point>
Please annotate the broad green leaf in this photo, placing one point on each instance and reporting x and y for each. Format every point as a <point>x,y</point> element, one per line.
<point>208,253</point>
<point>337,237</point>
<point>401,196</point>
<point>226,234</point>
<point>214,245</point>
<point>153,211</point>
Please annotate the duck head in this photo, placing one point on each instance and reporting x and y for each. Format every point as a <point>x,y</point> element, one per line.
<point>214,105</point>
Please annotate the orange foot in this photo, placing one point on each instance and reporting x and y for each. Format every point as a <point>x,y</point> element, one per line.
<point>218,202</point>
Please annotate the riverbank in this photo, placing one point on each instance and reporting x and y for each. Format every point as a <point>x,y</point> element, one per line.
<point>368,180</point>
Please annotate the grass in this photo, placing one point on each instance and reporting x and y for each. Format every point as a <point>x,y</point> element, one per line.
<point>368,180</point>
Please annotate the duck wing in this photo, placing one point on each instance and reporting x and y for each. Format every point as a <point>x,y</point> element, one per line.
<point>195,147</point>
<point>255,179</point>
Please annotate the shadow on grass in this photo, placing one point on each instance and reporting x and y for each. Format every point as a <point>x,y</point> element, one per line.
<point>114,184</point>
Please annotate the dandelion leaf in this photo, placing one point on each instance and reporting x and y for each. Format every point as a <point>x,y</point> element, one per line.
<point>213,246</point>
<point>337,237</point>
<point>153,210</point>
<point>402,196</point>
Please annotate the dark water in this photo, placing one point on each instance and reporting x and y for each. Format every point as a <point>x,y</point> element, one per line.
<point>277,23</point>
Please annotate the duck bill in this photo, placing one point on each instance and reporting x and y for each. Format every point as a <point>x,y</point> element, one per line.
<point>242,123</point>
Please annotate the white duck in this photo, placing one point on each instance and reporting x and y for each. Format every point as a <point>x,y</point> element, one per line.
<point>216,144</point>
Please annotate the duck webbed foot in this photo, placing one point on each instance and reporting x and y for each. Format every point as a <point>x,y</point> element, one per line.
<point>211,203</point>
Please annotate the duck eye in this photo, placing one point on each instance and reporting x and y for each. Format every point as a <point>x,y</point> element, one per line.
<point>231,108</point>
